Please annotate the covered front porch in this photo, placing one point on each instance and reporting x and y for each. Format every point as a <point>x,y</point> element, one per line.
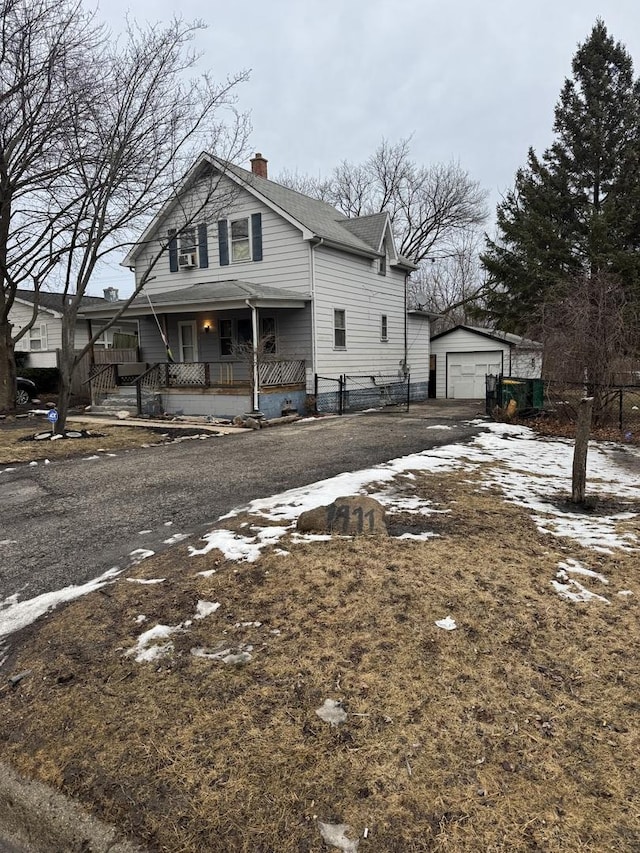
<point>219,350</point>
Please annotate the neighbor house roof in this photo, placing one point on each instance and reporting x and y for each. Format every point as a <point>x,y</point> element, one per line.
<point>54,301</point>
<point>197,297</point>
<point>493,334</point>
<point>317,218</point>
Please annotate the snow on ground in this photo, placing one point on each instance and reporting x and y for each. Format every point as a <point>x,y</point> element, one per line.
<point>533,472</point>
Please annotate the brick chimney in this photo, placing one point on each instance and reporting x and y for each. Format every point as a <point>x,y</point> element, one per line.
<point>259,165</point>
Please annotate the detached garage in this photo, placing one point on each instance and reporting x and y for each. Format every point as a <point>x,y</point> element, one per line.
<point>462,357</point>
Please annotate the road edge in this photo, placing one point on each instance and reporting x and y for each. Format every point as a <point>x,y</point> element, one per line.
<point>42,820</point>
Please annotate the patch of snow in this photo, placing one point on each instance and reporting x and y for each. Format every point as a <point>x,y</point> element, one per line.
<point>419,536</point>
<point>177,537</point>
<point>625,592</point>
<point>226,655</point>
<point>8,541</point>
<point>140,554</point>
<point>332,712</point>
<point>140,619</point>
<point>143,532</point>
<point>335,835</point>
<point>206,608</point>
<point>146,580</point>
<point>448,624</point>
<point>207,573</point>
<point>147,650</point>
<point>15,614</point>
<point>574,591</point>
<point>89,458</point>
<point>440,426</point>
<point>575,567</point>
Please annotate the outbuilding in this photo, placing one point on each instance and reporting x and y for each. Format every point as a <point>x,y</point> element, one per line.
<point>462,357</point>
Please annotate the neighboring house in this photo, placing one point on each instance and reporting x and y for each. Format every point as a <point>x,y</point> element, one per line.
<point>463,356</point>
<point>44,338</point>
<point>265,292</point>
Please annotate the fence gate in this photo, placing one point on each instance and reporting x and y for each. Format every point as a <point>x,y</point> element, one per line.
<point>357,393</point>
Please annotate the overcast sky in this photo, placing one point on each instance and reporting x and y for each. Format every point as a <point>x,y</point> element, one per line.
<point>475,82</point>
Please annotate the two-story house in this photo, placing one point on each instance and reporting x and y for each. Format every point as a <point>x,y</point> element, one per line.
<point>253,290</point>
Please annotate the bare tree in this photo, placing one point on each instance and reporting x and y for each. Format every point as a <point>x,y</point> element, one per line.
<point>131,122</point>
<point>43,59</point>
<point>590,327</point>
<point>454,287</point>
<point>436,211</point>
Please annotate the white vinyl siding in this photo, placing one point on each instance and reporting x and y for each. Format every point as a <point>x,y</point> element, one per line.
<point>285,261</point>
<point>353,284</point>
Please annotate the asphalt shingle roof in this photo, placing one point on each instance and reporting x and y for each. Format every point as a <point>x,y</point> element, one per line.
<point>55,301</point>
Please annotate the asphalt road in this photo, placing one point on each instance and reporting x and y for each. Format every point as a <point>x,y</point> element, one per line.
<point>67,522</point>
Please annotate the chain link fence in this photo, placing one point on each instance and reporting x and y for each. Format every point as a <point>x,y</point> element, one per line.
<point>357,393</point>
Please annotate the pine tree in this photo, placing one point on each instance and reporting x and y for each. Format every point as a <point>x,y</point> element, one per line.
<point>574,212</point>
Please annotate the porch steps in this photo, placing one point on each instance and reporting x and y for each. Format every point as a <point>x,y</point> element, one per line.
<point>121,400</point>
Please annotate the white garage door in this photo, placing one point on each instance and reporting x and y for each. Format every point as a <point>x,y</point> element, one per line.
<point>467,371</point>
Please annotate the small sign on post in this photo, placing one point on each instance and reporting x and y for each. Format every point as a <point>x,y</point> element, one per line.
<point>52,417</point>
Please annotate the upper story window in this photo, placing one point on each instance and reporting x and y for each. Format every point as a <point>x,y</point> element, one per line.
<point>239,238</point>
<point>188,248</point>
<point>339,329</point>
<point>382,262</point>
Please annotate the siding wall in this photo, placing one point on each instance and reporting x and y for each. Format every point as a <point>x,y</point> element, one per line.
<point>526,364</point>
<point>285,254</point>
<point>21,315</point>
<point>352,284</point>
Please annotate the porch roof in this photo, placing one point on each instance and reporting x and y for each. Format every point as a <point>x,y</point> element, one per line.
<point>205,297</point>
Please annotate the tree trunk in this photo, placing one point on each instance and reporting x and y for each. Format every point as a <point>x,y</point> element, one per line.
<point>7,370</point>
<point>583,429</point>
<point>67,365</point>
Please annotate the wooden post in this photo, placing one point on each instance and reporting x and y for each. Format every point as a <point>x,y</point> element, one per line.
<point>583,429</point>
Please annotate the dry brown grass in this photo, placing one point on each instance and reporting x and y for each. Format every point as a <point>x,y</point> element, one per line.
<point>516,732</point>
<point>15,449</point>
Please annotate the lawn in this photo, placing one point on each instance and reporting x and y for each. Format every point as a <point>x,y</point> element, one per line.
<point>19,445</point>
<point>483,660</point>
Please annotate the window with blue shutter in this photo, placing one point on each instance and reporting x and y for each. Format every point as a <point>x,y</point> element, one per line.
<point>173,250</point>
<point>203,248</point>
<point>256,236</point>
<point>223,242</point>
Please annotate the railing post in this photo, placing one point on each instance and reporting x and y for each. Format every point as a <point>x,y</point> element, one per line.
<point>408,391</point>
<point>341,386</point>
<point>315,393</point>
<point>207,377</point>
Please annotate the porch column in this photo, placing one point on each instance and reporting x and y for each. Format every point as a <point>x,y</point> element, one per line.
<point>254,335</point>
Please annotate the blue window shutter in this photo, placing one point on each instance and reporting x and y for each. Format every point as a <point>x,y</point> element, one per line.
<point>203,248</point>
<point>223,242</point>
<point>173,250</point>
<point>256,236</point>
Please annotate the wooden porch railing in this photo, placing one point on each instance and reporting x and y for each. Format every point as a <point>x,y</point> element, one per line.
<point>207,374</point>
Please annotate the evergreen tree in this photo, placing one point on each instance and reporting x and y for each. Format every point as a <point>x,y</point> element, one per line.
<point>575,211</point>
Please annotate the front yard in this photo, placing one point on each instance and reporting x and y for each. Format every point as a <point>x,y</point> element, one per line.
<point>469,683</point>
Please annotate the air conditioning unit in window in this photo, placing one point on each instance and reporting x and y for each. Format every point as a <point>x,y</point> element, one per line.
<point>186,261</point>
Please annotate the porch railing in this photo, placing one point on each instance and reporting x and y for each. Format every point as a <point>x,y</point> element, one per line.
<point>205,374</point>
<point>102,382</point>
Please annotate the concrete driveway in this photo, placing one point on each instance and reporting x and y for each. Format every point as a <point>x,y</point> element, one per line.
<point>67,522</point>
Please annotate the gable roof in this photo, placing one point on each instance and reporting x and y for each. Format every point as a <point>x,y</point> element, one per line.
<point>315,218</point>
<point>496,335</point>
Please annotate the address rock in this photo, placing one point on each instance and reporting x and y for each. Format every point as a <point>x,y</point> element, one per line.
<point>350,516</point>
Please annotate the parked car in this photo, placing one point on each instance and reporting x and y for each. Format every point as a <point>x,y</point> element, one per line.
<point>25,391</point>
